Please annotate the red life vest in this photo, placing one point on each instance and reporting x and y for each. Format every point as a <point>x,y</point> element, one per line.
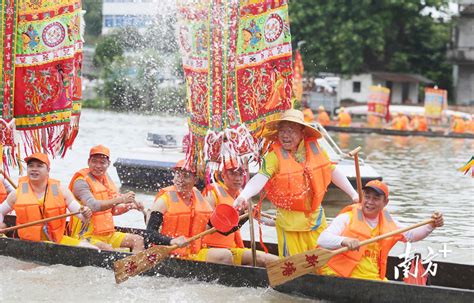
<point>343,264</point>
<point>216,239</point>
<point>300,186</point>
<point>183,220</point>
<point>28,209</point>
<point>102,221</point>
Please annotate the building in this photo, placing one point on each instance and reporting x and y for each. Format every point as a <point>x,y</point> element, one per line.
<point>133,13</point>
<point>404,88</point>
<point>462,54</point>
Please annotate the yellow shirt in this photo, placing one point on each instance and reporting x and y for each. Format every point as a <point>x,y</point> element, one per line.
<point>287,219</point>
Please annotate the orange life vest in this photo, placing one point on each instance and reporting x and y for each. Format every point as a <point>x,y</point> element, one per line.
<point>216,239</point>
<point>422,125</point>
<point>183,220</point>
<point>323,118</point>
<point>308,115</point>
<point>3,192</point>
<point>300,186</point>
<point>102,221</point>
<point>459,126</point>
<point>28,209</point>
<point>345,119</point>
<point>343,264</point>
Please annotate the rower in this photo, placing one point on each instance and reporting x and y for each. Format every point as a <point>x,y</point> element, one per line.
<point>308,115</point>
<point>361,221</point>
<point>344,118</point>
<point>39,197</point>
<point>296,174</point>
<point>180,210</point>
<point>458,125</point>
<point>400,122</point>
<point>224,192</point>
<point>323,117</point>
<point>93,187</point>
<point>5,187</point>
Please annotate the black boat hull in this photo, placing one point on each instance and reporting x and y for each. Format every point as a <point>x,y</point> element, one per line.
<point>393,132</point>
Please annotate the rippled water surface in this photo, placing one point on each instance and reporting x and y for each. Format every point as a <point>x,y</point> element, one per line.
<point>421,173</point>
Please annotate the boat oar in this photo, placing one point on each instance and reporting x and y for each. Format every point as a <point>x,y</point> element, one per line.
<point>355,154</point>
<point>9,180</point>
<point>2,231</point>
<point>147,259</point>
<point>253,247</point>
<point>289,268</point>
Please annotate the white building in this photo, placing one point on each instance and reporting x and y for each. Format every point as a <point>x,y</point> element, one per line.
<point>404,87</point>
<point>132,13</point>
<point>462,55</point>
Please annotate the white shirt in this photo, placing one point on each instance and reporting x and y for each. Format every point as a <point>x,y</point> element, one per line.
<point>331,237</point>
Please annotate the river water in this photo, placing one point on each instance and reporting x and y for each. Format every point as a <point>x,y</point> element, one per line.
<point>421,173</point>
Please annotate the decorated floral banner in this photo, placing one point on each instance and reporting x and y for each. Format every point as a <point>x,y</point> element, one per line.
<point>237,63</point>
<point>298,71</point>
<point>435,102</point>
<point>377,102</point>
<point>41,66</point>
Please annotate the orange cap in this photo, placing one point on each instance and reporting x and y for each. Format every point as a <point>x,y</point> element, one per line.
<point>40,157</point>
<point>378,186</point>
<point>100,150</point>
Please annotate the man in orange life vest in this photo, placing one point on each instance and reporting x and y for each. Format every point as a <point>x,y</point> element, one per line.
<point>361,221</point>
<point>38,197</point>
<point>225,192</point>
<point>296,174</point>
<point>180,210</point>
<point>323,117</point>
<point>344,118</point>
<point>93,187</point>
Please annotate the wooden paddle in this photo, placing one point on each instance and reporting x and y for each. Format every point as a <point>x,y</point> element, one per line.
<point>147,259</point>
<point>253,247</point>
<point>38,222</point>
<point>355,154</point>
<point>8,179</point>
<point>289,268</point>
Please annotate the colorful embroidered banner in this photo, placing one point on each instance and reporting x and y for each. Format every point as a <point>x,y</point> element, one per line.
<point>41,69</point>
<point>237,62</point>
<point>435,102</point>
<point>298,71</point>
<point>378,101</point>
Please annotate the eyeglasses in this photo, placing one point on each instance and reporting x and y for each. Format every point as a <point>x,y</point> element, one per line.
<point>183,174</point>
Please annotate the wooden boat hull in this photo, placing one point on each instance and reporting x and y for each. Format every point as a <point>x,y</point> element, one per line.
<point>393,132</point>
<point>312,286</point>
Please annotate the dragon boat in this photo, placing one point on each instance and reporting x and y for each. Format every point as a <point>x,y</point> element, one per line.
<point>452,283</point>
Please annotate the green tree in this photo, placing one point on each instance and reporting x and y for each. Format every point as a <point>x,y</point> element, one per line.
<point>93,17</point>
<point>108,49</point>
<point>350,37</point>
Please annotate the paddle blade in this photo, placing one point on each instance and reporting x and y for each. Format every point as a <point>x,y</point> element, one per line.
<point>141,262</point>
<point>292,267</point>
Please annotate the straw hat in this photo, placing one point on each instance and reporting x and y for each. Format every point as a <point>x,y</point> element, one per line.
<point>291,115</point>
<point>321,107</point>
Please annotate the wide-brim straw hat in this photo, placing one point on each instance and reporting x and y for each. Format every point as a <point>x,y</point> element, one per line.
<point>291,115</point>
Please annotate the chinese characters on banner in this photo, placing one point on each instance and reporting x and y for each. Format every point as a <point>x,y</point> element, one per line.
<point>378,101</point>
<point>435,102</point>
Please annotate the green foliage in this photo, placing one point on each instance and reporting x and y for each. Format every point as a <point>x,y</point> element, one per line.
<point>93,17</point>
<point>95,103</point>
<point>350,37</point>
<point>108,49</point>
